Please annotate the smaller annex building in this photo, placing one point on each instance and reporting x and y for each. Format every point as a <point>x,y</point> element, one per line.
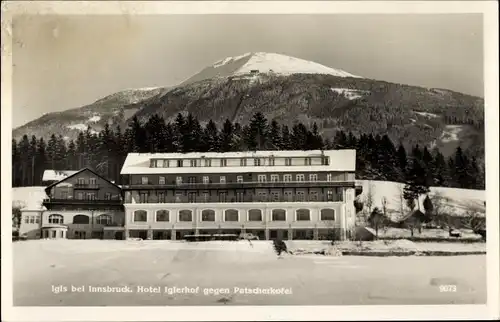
<point>82,205</point>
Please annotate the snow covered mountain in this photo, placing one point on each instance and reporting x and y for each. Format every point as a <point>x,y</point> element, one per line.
<point>289,90</point>
<point>261,62</point>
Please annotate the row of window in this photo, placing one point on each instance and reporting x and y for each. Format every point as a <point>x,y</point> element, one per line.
<point>300,177</point>
<point>84,195</point>
<point>92,181</point>
<point>166,163</point>
<point>80,219</point>
<point>144,196</point>
<point>233,215</point>
<point>32,219</point>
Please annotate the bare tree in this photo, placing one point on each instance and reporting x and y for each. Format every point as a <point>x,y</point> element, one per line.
<point>377,220</point>
<point>401,200</point>
<point>440,209</point>
<point>332,233</point>
<point>369,198</point>
<point>17,205</point>
<point>474,219</point>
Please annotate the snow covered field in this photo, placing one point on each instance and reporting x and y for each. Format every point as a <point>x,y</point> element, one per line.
<point>46,272</point>
<point>455,201</point>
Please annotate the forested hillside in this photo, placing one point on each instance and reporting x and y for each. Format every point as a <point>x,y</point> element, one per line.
<point>378,157</point>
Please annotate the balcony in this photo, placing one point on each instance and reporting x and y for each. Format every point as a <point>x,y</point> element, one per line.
<point>240,185</point>
<point>50,201</point>
<point>87,186</point>
<point>243,199</point>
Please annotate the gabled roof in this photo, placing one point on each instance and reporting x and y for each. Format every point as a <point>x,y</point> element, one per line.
<point>78,172</point>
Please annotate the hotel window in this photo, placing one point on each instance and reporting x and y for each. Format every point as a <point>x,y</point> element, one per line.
<point>208,163</point>
<point>208,215</point>
<point>64,195</point>
<point>307,161</point>
<point>179,163</point>
<point>144,180</point>
<point>262,196</point>
<point>191,197</point>
<point>300,196</point>
<point>152,164</point>
<point>160,163</point>
<point>313,196</point>
<point>37,220</point>
<point>243,162</point>
<point>162,215</point>
<point>287,177</point>
<point>256,162</point>
<point>107,196</point>
<point>325,160</point>
<point>192,180</point>
<point>32,219</point>
<point>161,180</point>
<point>239,179</point>
<point>222,179</point>
<point>303,215</point>
<point>79,196</point>
<point>275,195</point>
<point>193,163</point>
<point>81,181</point>
<point>329,177</point>
<point>93,181</point>
<point>91,196</point>
<point>161,197</point>
<point>240,196</point>
<point>329,195</point>
<point>56,219</point>
<point>178,180</point>
<point>185,215</point>
<point>222,196</point>
<point>27,220</point>
<point>143,197</point>
<point>299,177</point>
<point>275,177</point>
<point>140,215</point>
<point>223,162</point>
<point>271,161</point>
<point>261,178</point>
<point>206,179</point>
<point>313,177</point>
<point>178,196</point>
<point>288,161</point>
<point>206,196</point>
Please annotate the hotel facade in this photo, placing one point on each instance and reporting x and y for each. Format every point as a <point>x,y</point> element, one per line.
<point>271,194</point>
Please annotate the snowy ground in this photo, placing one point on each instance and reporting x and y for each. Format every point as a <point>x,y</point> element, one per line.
<point>402,245</point>
<point>455,201</point>
<point>43,267</point>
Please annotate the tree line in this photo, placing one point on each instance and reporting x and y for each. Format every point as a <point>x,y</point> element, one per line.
<point>377,157</point>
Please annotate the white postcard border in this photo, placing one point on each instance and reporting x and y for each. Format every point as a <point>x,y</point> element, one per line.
<point>489,9</point>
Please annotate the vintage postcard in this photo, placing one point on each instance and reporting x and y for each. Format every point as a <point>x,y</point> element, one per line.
<point>249,160</point>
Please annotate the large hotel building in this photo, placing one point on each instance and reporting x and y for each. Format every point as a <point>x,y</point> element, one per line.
<point>272,194</point>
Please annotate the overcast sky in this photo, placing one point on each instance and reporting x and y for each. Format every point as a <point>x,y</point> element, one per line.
<point>69,61</point>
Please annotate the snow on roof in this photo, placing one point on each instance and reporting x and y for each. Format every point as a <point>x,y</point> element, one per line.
<point>28,198</point>
<point>139,163</point>
<point>56,175</point>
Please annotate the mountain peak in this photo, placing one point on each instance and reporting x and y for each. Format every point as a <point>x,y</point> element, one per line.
<point>264,62</point>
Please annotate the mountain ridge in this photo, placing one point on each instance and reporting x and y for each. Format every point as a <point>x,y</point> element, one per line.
<point>289,90</point>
